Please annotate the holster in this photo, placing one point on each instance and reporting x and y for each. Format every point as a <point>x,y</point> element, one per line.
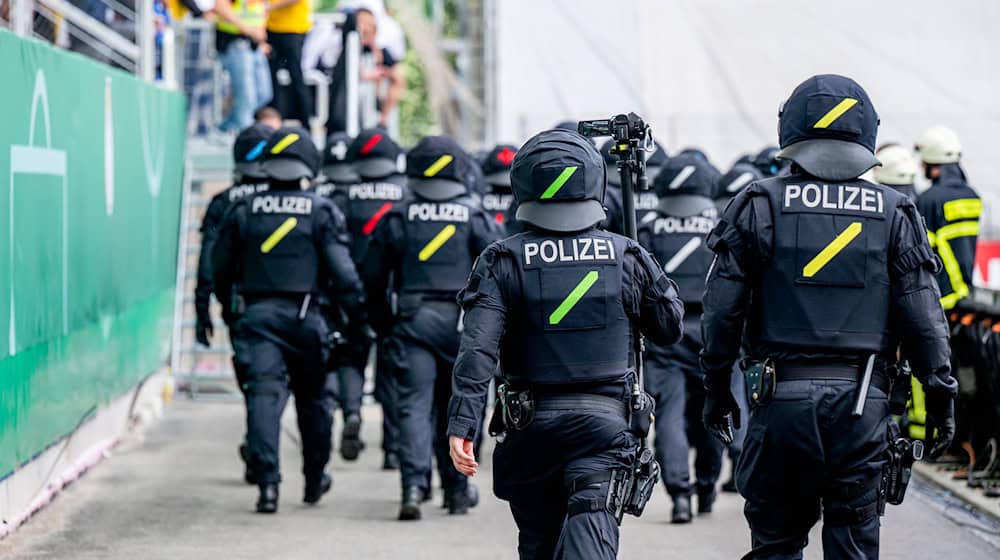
<point>760,380</point>
<point>641,409</point>
<point>645,477</point>
<point>518,407</point>
<point>901,455</point>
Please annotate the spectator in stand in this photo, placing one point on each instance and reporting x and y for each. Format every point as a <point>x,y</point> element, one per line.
<point>244,57</point>
<point>288,21</point>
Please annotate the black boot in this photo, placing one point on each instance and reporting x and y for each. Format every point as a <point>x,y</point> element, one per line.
<point>268,500</point>
<point>706,498</point>
<point>682,509</point>
<point>350,439</point>
<point>391,461</point>
<point>248,475</point>
<point>410,508</point>
<point>316,488</point>
<point>729,486</point>
<point>458,501</point>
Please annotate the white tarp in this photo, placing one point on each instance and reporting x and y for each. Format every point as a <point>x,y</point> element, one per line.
<point>712,73</point>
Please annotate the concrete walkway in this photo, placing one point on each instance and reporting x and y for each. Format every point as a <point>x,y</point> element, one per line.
<point>177,493</point>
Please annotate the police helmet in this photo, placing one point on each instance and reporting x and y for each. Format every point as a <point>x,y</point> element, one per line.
<point>248,149</point>
<point>335,164</point>
<point>558,181</point>
<point>766,161</point>
<point>496,165</point>
<point>290,154</point>
<point>898,166</point>
<point>733,181</point>
<point>374,154</point>
<point>438,168</point>
<point>686,185</point>
<point>828,127</point>
<point>655,161</point>
<point>572,125</point>
<point>939,145</point>
<point>692,151</point>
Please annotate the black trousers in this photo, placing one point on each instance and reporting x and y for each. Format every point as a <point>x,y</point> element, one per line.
<point>294,101</point>
<point>279,353</point>
<point>803,452</point>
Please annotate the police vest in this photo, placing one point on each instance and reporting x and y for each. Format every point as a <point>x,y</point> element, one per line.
<point>368,203</point>
<point>570,325</point>
<point>280,254</point>
<point>678,243</point>
<point>827,284</point>
<point>437,260</point>
<point>250,12</point>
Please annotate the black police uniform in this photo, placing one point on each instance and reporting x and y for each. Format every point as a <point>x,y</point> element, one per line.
<point>496,172</point>
<point>380,187</point>
<point>558,307</point>
<point>675,236</point>
<point>283,247</point>
<point>427,245</point>
<point>824,270</point>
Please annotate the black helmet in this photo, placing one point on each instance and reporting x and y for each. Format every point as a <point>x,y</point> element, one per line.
<point>686,185</point>
<point>828,127</point>
<point>290,154</point>
<point>558,181</point>
<point>248,149</point>
<point>766,161</point>
<point>335,164</point>
<point>374,154</point>
<point>655,161</point>
<point>496,164</point>
<point>438,168</point>
<point>741,175</point>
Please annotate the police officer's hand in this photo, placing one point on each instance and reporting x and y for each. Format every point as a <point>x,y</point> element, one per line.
<point>940,426</point>
<point>462,455</point>
<point>203,330</point>
<point>721,414</point>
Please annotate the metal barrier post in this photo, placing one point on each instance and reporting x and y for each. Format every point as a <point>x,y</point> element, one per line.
<point>22,17</point>
<point>353,53</point>
<point>145,36</point>
<point>168,58</point>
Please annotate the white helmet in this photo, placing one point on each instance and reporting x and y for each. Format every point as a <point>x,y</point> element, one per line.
<point>939,144</point>
<point>898,166</point>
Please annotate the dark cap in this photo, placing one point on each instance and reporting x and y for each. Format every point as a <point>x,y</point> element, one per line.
<point>496,164</point>
<point>558,181</point>
<point>290,154</point>
<point>828,127</point>
<point>374,154</point>
<point>248,149</point>
<point>686,185</point>
<point>335,164</point>
<point>733,181</point>
<point>438,168</point>
<point>655,161</point>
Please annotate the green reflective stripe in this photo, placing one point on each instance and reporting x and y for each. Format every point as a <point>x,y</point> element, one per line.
<point>559,182</point>
<point>574,297</point>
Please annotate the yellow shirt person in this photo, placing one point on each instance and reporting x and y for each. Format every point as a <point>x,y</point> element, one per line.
<point>289,16</point>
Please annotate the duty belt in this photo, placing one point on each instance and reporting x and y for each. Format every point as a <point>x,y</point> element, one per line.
<point>795,371</point>
<point>581,401</point>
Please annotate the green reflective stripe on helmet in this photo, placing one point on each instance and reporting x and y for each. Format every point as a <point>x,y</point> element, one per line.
<point>559,182</point>
<point>574,297</point>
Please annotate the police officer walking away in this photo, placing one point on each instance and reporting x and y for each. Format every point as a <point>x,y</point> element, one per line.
<point>496,172</point>
<point>283,247</point>
<point>675,236</point>
<point>427,244</point>
<point>829,274</point>
<point>559,307</point>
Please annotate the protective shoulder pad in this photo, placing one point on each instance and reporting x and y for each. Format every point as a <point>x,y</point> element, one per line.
<point>916,251</point>
<point>660,284</point>
<point>496,260</point>
<point>726,234</point>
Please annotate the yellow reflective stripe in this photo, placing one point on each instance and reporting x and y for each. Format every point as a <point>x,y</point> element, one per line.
<point>831,250</point>
<point>931,238</point>
<point>438,165</point>
<point>959,289</point>
<point>277,235</point>
<point>963,209</point>
<point>956,230</point>
<point>440,239</point>
<point>951,300</point>
<point>917,411</point>
<point>284,143</point>
<point>836,112</point>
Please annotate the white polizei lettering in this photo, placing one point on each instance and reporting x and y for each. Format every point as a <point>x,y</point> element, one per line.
<point>827,203</point>
<point>603,250</point>
<point>681,255</point>
<point>584,249</point>
<point>434,212</point>
<point>852,195</point>
<point>549,256</point>
<point>791,192</point>
<point>681,177</point>
<point>646,201</point>
<point>868,202</point>
<point>691,224</point>
<point>881,204</point>
<point>530,250</point>
<point>569,250</point>
<point>740,182</point>
<point>282,205</point>
<point>375,191</point>
<point>563,255</point>
<point>814,189</point>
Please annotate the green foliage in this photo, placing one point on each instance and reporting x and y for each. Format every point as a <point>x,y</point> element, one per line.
<point>415,116</point>
<point>325,6</point>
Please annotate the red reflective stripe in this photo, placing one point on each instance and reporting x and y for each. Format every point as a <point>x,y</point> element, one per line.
<point>371,143</point>
<point>373,221</point>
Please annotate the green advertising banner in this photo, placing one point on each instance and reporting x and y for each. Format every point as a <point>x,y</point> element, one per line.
<point>91,170</point>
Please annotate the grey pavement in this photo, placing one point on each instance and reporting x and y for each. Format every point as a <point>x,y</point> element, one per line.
<point>176,493</point>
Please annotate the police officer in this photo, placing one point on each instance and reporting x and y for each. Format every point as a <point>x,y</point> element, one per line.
<point>675,236</point>
<point>558,307</point>
<point>829,274</point>
<point>375,158</point>
<point>248,178</point>
<point>337,171</point>
<point>732,182</point>
<point>495,166</point>
<point>283,247</point>
<point>898,169</point>
<point>427,244</point>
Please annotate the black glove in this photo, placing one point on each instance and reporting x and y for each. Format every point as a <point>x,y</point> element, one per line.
<point>939,429</point>
<point>203,329</point>
<point>721,414</point>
